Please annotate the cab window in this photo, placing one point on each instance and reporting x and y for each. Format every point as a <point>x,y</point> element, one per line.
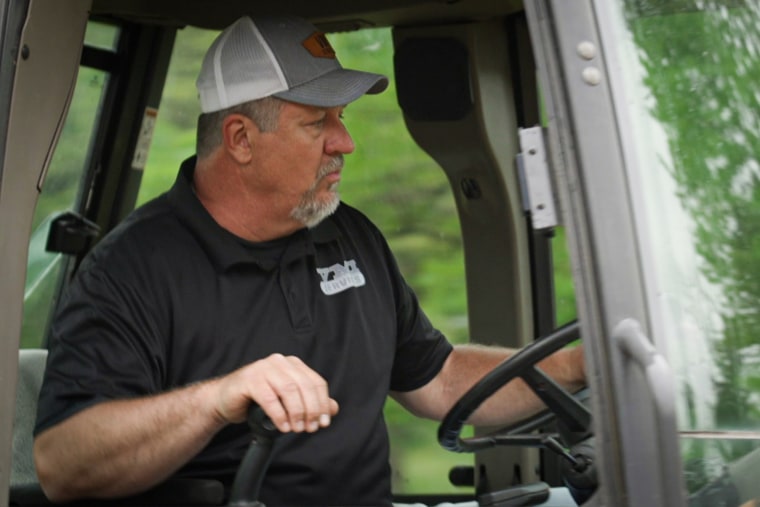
<point>62,189</point>
<point>691,73</point>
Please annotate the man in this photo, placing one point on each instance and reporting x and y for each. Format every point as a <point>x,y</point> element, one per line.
<point>249,282</point>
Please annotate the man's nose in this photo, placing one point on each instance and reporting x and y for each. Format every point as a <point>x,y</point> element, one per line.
<point>338,139</point>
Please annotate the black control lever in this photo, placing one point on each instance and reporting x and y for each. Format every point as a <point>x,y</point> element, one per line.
<point>250,474</point>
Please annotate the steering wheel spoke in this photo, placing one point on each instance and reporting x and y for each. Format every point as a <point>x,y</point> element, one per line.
<point>567,408</point>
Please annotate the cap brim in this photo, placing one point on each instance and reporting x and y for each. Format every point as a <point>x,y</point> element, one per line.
<point>336,88</point>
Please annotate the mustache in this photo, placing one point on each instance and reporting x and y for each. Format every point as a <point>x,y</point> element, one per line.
<point>332,165</point>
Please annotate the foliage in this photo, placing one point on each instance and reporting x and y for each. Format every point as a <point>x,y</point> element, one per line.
<point>701,67</point>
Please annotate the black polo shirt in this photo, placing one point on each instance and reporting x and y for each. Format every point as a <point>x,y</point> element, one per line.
<point>169,298</point>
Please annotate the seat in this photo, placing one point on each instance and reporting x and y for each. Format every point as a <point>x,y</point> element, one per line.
<point>31,368</point>
<point>25,489</point>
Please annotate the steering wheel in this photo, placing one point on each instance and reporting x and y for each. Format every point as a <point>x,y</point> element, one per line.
<point>561,404</point>
<point>574,418</point>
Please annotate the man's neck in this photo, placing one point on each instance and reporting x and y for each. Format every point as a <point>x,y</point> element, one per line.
<point>232,204</point>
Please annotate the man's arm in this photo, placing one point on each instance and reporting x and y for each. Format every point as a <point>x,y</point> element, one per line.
<point>119,448</point>
<point>515,401</point>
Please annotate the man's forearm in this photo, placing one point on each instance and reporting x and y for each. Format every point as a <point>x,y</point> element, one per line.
<point>469,363</point>
<point>118,448</point>
<point>516,401</point>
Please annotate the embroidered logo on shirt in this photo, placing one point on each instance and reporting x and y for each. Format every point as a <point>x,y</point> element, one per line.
<point>340,277</point>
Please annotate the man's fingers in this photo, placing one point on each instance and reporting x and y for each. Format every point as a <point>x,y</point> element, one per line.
<point>324,419</point>
<point>314,396</point>
<point>294,396</point>
<point>270,403</point>
<point>299,390</point>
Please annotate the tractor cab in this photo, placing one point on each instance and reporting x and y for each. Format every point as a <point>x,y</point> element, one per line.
<point>546,172</point>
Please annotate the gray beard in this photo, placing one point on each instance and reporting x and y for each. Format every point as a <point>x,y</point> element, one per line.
<point>311,211</point>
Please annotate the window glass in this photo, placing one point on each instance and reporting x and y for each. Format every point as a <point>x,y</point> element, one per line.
<point>174,133</point>
<point>692,69</point>
<point>101,35</point>
<point>60,193</point>
<point>391,180</point>
<point>564,288</point>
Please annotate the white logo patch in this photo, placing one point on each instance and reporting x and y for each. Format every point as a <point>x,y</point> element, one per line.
<point>340,277</point>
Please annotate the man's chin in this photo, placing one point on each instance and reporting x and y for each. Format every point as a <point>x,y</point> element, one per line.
<point>312,214</point>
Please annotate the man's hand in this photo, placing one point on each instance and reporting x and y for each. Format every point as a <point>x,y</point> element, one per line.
<point>294,396</point>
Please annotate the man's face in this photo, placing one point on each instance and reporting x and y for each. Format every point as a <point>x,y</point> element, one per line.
<point>300,162</point>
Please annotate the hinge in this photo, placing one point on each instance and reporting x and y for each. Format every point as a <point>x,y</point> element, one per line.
<point>535,178</point>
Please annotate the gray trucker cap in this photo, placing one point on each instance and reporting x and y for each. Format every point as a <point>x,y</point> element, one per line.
<point>282,56</point>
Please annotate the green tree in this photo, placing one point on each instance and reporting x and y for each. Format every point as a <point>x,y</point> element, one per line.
<point>702,68</point>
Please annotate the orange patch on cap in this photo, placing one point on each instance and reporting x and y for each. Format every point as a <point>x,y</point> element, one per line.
<point>318,45</point>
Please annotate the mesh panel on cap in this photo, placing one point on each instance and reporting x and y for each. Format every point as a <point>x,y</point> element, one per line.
<point>286,38</point>
<point>239,67</point>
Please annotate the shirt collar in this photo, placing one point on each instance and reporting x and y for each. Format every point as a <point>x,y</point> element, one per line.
<point>226,249</point>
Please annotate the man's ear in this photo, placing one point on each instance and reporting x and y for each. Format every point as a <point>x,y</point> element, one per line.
<point>237,131</point>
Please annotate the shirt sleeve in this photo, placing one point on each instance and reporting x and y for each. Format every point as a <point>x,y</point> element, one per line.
<point>102,347</point>
<point>421,349</point>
